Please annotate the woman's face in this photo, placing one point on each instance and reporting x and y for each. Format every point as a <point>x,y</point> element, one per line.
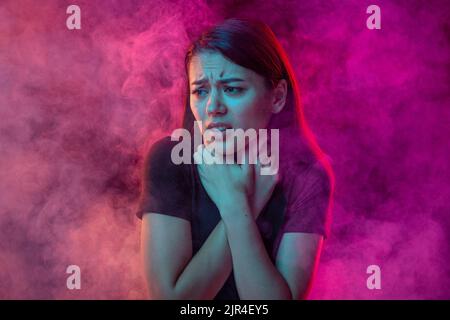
<point>226,93</point>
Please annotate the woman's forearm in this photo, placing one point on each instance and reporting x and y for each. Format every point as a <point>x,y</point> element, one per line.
<point>256,276</point>
<point>208,269</point>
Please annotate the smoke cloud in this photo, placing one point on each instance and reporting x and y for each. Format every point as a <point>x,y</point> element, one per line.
<point>79,109</point>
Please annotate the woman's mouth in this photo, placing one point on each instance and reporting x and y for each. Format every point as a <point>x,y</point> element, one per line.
<point>221,126</point>
<point>218,131</point>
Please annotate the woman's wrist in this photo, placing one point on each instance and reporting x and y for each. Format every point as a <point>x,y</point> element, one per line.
<point>235,212</point>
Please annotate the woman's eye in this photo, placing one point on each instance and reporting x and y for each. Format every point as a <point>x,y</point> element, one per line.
<point>200,92</point>
<point>234,90</point>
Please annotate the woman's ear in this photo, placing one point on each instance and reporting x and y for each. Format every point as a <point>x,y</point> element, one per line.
<point>279,96</point>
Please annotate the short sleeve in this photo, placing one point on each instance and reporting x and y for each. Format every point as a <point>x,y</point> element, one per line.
<point>165,185</point>
<point>309,200</point>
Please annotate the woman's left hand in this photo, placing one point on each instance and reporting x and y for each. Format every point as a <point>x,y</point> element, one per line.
<point>228,185</point>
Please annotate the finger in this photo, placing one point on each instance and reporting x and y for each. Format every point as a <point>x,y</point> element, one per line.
<point>198,155</point>
<point>262,145</point>
<point>253,152</point>
<point>210,147</point>
<point>207,156</point>
<point>258,167</point>
<point>198,158</point>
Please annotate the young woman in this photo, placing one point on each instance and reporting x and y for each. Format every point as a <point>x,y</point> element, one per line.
<point>224,231</point>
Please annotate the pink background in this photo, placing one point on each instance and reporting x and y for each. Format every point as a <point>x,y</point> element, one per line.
<point>78,109</point>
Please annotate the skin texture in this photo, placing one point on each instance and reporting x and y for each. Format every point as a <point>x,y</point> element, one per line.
<point>239,193</point>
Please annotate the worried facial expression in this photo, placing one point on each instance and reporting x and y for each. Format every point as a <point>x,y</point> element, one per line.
<point>226,95</point>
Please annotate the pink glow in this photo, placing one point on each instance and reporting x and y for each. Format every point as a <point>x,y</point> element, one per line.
<point>78,109</point>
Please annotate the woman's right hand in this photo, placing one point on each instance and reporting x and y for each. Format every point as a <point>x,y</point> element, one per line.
<point>228,185</point>
<point>235,183</point>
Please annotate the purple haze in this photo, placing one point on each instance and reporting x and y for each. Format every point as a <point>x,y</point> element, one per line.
<point>79,109</point>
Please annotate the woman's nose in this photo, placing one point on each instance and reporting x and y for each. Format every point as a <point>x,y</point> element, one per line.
<point>215,104</point>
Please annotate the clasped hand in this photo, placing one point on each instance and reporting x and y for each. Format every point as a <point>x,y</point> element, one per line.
<point>234,186</point>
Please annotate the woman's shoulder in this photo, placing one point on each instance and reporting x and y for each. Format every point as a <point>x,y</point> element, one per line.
<point>165,185</point>
<point>161,147</point>
<point>159,160</point>
<point>308,188</point>
<point>300,165</point>
<point>161,151</point>
<point>303,173</point>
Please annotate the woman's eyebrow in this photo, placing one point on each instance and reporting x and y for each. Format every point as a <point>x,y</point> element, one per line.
<point>222,81</point>
<point>200,81</point>
<point>230,80</point>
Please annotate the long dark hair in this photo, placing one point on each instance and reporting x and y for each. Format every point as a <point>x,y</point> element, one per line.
<point>252,45</point>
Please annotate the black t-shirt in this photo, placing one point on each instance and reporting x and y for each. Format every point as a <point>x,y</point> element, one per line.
<point>299,202</point>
